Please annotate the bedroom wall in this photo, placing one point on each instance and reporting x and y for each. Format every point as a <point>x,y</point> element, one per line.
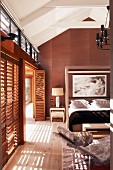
<point>74,47</point>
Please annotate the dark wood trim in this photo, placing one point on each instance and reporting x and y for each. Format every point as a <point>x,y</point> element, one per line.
<point>111,80</point>
<point>22,102</point>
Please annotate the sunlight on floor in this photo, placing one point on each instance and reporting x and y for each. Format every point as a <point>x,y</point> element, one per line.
<point>39,148</point>
<point>73,159</point>
<point>38,133</point>
<point>37,161</point>
<point>81,161</point>
<point>31,157</point>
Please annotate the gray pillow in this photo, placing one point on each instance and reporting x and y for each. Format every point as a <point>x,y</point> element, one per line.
<point>100,150</point>
<point>75,104</point>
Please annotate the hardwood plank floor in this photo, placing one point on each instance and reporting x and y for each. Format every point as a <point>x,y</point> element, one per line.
<point>43,150</point>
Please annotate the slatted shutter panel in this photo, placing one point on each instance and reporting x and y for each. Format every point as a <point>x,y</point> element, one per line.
<point>9,75</point>
<point>16,105</point>
<point>3,109</point>
<point>9,109</point>
<point>40,95</point>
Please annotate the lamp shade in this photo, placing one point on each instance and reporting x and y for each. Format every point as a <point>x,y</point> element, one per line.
<point>57,92</point>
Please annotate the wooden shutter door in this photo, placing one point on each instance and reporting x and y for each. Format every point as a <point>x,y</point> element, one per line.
<point>40,95</point>
<point>3,109</point>
<point>9,75</point>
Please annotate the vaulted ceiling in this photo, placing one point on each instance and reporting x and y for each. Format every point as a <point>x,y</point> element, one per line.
<point>42,20</point>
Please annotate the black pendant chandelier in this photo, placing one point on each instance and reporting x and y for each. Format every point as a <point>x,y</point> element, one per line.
<point>102,37</point>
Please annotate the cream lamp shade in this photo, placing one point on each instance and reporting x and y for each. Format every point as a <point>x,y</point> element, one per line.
<point>57,92</point>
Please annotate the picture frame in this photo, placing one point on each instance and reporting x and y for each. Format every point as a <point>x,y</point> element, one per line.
<point>89,85</point>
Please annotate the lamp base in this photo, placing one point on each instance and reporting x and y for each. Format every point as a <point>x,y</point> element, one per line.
<point>57,101</point>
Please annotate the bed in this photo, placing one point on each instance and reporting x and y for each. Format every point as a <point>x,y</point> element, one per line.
<point>87,97</point>
<point>94,115</point>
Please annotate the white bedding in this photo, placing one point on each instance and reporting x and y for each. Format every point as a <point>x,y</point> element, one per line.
<point>96,105</point>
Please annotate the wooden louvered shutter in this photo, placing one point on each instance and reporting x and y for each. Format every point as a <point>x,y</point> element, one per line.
<point>9,75</point>
<point>3,109</point>
<point>16,105</point>
<point>9,109</point>
<point>40,95</point>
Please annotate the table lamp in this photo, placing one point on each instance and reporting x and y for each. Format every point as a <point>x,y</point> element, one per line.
<point>57,92</point>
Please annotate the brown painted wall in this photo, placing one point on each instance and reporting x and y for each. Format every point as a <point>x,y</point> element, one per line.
<point>75,47</point>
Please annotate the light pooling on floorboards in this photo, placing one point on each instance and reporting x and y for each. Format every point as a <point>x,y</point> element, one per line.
<point>42,151</point>
<point>39,133</point>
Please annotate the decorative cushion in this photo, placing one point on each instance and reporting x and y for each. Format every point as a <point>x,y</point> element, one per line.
<point>101,103</point>
<point>82,138</point>
<point>79,104</point>
<point>100,150</point>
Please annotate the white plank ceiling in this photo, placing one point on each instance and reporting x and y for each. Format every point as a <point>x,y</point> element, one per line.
<point>42,20</point>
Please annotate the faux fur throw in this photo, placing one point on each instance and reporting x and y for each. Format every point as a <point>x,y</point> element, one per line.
<point>80,139</point>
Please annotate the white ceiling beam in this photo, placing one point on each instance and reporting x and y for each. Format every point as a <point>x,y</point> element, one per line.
<point>35,15</point>
<point>72,3</point>
<point>83,24</point>
<point>78,15</point>
<point>88,12</point>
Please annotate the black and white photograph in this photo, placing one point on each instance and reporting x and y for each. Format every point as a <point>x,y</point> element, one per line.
<point>89,85</point>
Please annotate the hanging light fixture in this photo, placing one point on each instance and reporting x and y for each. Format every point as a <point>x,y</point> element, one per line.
<point>102,37</point>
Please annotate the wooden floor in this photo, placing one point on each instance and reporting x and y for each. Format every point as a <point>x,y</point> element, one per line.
<point>43,149</point>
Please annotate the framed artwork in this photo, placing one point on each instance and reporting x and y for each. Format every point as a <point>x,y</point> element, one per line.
<point>89,85</point>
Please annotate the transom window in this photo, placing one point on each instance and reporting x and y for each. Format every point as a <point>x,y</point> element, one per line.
<point>8,25</point>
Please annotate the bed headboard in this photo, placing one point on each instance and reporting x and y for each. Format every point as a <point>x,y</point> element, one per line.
<point>86,82</point>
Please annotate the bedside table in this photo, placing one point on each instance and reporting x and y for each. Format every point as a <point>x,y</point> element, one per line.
<point>57,112</point>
